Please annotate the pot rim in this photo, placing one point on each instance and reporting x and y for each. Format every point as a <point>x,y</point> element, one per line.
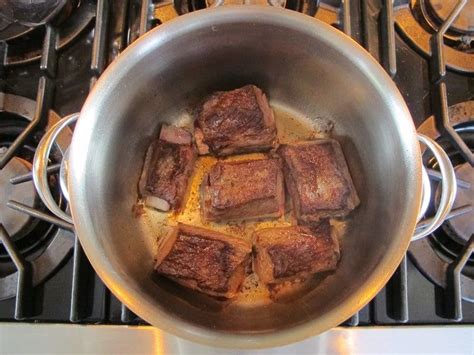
<point>214,17</point>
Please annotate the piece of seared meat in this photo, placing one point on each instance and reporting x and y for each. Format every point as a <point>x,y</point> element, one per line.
<point>204,260</point>
<point>236,121</point>
<point>318,179</point>
<point>246,189</point>
<point>167,169</point>
<point>289,253</point>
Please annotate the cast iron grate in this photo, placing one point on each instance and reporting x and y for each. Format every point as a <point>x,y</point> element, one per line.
<point>124,29</point>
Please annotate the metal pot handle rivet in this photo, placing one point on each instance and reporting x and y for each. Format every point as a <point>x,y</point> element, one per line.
<point>40,164</point>
<point>448,190</point>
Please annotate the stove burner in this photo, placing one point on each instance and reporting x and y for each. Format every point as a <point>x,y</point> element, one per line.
<point>418,20</point>
<point>24,43</point>
<point>434,255</point>
<point>462,227</point>
<point>455,233</point>
<point>17,224</point>
<point>42,244</point>
<point>329,11</point>
<point>464,23</point>
<point>31,14</point>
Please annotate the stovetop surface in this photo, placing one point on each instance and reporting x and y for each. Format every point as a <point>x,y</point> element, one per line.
<point>74,293</point>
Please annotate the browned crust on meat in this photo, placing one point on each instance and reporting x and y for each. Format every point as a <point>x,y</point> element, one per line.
<point>204,260</point>
<point>167,170</point>
<point>318,180</point>
<point>288,253</point>
<point>245,189</point>
<point>236,121</point>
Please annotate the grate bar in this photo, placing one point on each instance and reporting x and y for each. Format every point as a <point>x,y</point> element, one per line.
<point>438,73</point>
<point>126,315</point>
<point>118,28</point>
<point>455,212</point>
<point>443,123</point>
<point>144,17</point>
<point>400,291</point>
<point>99,46</point>
<point>23,300</point>
<point>454,291</point>
<point>389,40</point>
<point>436,175</point>
<point>33,212</point>
<point>43,101</point>
<point>346,17</point>
<point>85,288</point>
<point>52,169</point>
<point>365,24</point>
<point>48,62</point>
<point>76,313</point>
<point>81,266</point>
<point>397,287</point>
<point>438,42</point>
<point>353,321</point>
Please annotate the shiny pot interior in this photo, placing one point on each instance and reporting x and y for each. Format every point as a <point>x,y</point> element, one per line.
<point>304,65</point>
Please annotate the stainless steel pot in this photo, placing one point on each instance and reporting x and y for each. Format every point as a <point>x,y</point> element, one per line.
<point>308,68</point>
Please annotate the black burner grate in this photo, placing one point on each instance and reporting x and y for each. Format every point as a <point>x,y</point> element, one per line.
<point>116,24</point>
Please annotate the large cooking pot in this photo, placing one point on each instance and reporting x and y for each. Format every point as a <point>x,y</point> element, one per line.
<point>306,67</point>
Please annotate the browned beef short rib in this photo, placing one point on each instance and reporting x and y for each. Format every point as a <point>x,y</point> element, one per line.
<point>204,260</point>
<point>246,189</point>
<point>318,179</point>
<point>289,253</point>
<point>167,169</point>
<point>235,121</point>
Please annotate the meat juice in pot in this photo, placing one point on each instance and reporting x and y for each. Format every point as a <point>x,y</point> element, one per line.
<point>291,127</point>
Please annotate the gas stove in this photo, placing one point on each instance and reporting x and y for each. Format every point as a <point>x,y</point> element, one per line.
<point>52,54</point>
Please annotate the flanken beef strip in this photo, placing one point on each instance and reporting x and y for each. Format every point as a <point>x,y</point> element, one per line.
<point>246,189</point>
<point>204,260</point>
<point>236,121</point>
<point>289,253</point>
<point>318,180</point>
<point>167,169</point>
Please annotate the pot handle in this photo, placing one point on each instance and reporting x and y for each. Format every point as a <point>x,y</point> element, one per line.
<point>448,193</point>
<point>40,164</point>
<point>448,190</point>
